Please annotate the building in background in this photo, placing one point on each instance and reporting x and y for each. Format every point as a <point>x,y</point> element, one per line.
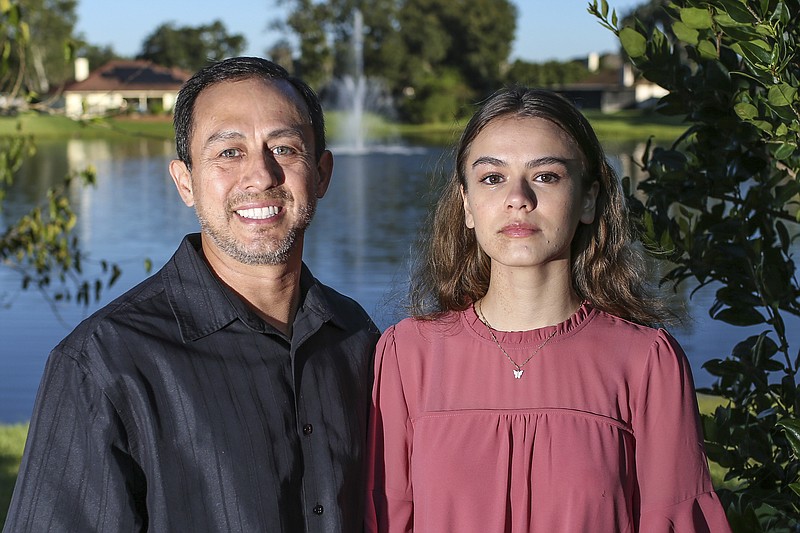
<point>122,86</point>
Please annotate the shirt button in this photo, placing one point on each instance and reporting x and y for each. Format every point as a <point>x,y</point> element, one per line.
<point>318,509</point>
<point>308,429</point>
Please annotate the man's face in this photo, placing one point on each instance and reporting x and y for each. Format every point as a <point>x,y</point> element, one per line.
<point>254,181</point>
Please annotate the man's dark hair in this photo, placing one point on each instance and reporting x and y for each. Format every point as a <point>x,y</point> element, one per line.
<point>234,69</point>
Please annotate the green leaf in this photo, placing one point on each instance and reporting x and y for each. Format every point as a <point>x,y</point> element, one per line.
<point>745,111</point>
<point>707,49</point>
<point>725,20</point>
<point>685,33</point>
<point>791,427</point>
<point>782,151</point>
<point>738,11</point>
<point>763,125</point>
<point>782,94</point>
<point>697,18</point>
<point>756,51</point>
<point>743,316</point>
<point>633,42</point>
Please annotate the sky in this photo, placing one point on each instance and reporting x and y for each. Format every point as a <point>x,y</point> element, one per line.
<point>546,29</point>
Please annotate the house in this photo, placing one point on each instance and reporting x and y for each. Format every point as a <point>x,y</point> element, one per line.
<point>612,88</point>
<point>120,86</point>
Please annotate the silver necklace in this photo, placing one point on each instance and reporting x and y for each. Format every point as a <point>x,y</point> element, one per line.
<point>517,367</point>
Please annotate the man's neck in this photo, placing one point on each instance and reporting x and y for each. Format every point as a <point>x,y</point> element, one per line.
<point>271,291</point>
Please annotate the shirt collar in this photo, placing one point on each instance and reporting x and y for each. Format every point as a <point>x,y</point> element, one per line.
<point>202,304</point>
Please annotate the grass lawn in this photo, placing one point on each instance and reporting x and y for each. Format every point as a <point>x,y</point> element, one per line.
<point>12,441</point>
<point>59,127</point>
<point>623,126</point>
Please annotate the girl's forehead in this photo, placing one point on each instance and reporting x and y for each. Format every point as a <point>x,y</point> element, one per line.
<point>536,136</point>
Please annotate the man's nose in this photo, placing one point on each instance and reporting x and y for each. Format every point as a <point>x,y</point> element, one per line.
<point>262,173</point>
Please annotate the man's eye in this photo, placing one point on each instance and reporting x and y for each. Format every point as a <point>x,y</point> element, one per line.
<point>282,150</point>
<point>230,152</point>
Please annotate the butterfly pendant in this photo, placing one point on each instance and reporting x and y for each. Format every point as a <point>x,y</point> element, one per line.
<point>518,373</point>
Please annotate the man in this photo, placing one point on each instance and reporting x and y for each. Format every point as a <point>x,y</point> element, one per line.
<point>228,392</point>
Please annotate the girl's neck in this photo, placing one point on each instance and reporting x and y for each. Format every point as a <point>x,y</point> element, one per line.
<point>511,305</point>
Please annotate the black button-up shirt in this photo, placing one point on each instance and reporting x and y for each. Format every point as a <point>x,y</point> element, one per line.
<point>176,408</point>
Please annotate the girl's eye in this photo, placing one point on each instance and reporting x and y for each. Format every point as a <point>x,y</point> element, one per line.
<point>230,152</point>
<point>492,179</point>
<point>282,150</point>
<point>546,178</point>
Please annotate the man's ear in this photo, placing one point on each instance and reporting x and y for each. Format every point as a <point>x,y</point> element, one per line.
<point>324,172</point>
<point>182,177</point>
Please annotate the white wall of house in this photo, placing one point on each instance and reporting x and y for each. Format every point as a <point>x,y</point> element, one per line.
<point>168,99</point>
<point>87,104</point>
<point>649,91</point>
<point>78,105</point>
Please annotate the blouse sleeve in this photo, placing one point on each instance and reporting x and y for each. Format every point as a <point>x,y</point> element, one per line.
<point>675,491</point>
<point>389,506</point>
<point>75,474</point>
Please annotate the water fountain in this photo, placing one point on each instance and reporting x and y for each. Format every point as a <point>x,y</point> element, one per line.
<point>355,86</point>
<point>353,94</point>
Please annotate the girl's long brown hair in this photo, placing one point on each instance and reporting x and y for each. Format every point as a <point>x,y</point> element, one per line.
<point>452,271</point>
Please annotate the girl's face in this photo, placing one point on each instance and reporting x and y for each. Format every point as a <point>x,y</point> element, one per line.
<point>524,195</point>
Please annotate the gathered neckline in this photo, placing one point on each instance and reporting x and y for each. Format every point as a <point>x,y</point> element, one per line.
<point>568,327</point>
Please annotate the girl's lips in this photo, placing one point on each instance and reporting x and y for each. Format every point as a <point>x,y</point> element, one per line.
<point>519,230</point>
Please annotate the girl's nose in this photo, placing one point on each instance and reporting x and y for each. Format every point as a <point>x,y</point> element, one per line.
<point>521,195</point>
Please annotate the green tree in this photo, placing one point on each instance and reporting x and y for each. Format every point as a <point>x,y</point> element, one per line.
<point>190,48</point>
<point>408,44</point>
<point>722,205</point>
<point>96,55</point>
<point>548,74</point>
<point>310,22</point>
<point>42,59</point>
<point>40,245</point>
<point>460,38</point>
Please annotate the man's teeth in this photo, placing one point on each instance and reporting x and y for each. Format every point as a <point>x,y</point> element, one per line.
<point>258,213</point>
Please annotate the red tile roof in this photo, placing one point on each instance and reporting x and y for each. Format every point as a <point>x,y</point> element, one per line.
<point>131,75</point>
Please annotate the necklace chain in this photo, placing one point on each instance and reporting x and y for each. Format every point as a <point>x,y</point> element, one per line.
<point>518,370</point>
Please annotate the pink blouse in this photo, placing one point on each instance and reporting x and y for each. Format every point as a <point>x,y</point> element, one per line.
<point>600,433</point>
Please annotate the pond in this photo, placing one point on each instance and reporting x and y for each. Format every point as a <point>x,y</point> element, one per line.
<point>358,243</point>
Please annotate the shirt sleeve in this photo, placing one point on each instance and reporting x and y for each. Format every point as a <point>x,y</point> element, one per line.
<point>389,506</point>
<point>76,474</point>
<point>675,491</point>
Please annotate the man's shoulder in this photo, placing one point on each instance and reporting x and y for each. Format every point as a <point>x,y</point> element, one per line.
<point>341,304</point>
<point>145,298</point>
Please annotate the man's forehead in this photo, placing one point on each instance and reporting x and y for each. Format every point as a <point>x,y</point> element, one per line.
<point>281,88</point>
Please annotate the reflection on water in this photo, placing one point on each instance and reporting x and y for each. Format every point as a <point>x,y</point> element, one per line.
<point>359,243</point>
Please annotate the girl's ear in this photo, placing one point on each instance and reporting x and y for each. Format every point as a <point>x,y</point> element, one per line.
<point>469,220</point>
<point>589,203</point>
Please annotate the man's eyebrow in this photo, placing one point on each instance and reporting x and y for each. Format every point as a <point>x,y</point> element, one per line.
<point>228,135</point>
<point>225,135</point>
<point>292,131</point>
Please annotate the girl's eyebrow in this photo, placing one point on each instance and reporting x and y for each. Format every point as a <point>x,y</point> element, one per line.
<point>488,160</point>
<point>533,163</point>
